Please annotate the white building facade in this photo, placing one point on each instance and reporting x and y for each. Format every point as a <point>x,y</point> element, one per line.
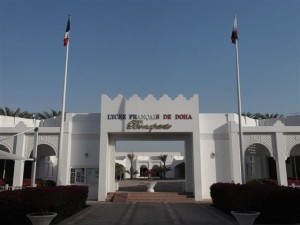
<point>211,144</point>
<point>150,161</point>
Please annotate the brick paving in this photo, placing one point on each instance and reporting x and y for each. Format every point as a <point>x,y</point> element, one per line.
<point>148,213</point>
<point>138,212</point>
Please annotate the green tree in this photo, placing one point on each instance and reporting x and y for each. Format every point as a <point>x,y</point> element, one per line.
<point>47,115</point>
<point>17,113</point>
<point>163,158</point>
<point>270,116</point>
<point>262,116</point>
<point>119,171</point>
<point>28,115</point>
<point>131,171</point>
<point>9,112</point>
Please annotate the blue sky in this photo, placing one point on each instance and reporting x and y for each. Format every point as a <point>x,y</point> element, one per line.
<point>150,47</point>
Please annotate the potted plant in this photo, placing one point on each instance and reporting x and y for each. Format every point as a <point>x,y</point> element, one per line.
<point>151,182</point>
<point>245,217</point>
<point>43,215</point>
<point>245,213</point>
<point>41,218</point>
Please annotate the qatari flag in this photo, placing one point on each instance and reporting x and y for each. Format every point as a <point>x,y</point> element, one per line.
<point>66,38</point>
<point>234,34</point>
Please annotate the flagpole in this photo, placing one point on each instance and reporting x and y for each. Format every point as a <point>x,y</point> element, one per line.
<point>240,112</point>
<point>61,135</point>
<point>34,156</point>
<point>235,41</point>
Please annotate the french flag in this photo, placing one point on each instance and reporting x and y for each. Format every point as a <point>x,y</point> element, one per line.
<point>66,38</point>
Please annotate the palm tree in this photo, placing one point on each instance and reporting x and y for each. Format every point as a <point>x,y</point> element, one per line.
<point>248,114</point>
<point>270,116</point>
<point>131,171</point>
<point>9,112</point>
<point>25,114</point>
<point>163,158</point>
<point>261,116</point>
<point>17,113</point>
<point>47,115</point>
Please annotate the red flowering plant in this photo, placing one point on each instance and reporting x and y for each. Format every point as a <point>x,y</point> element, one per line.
<point>293,182</point>
<point>150,174</point>
<point>2,182</point>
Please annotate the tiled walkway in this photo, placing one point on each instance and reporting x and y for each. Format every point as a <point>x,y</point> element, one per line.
<point>146,213</point>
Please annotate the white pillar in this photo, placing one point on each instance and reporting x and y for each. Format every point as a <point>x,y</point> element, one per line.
<point>19,164</point>
<point>149,164</point>
<point>195,160</point>
<point>280,161</point>
<point>103,167</point>
<point>33,167</point>
<point>235,159</point>
<point>65,154</point>
<point>135,166</point>
<point>111,166</point>
<point>189,166</point>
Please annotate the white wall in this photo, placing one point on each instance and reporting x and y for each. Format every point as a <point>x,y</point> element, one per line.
<point>217,157</point>
<point>85,139</point>
<point>8,121</point>
<point>214,145</point>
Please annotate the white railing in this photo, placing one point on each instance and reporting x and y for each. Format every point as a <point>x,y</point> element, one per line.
<point>10,188</point>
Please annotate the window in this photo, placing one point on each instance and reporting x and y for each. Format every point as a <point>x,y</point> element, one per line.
<point>77,176</point>
<point>84,176</point>
<point>49,164</point>
<point>250,165</point>
<point>92,175</point>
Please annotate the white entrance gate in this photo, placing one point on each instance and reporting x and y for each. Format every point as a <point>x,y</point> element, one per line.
<point>149,119</point>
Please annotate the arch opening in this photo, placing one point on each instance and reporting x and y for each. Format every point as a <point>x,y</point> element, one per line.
<point>46,167</point>
<point>293,165</point>
<point>6,167</point>
<point>259,164</point>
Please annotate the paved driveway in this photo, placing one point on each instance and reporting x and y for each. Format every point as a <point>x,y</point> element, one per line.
<point>147,213</point>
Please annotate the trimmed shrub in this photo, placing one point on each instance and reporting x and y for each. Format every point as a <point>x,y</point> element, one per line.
<point>49,183</point>
<point>64,200</point>
<point>263,181</point>
<point>277,204</point>
<point>45,183</point>
<point>2,182</point>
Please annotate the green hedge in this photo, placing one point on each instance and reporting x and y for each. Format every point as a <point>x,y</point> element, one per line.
<point>64,200</point>
<point>277,204</point>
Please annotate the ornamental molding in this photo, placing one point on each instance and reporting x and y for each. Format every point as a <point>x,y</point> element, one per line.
<point>8,141</point>
<point>210,137</point>
<point>150,98</point>
<point>51,140</point>
<point>263,139</point>
<point>291,140</point>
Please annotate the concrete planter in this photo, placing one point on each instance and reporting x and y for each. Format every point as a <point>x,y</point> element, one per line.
<point>41,218</point>
<point>245,218</point>
<point>150,186</point>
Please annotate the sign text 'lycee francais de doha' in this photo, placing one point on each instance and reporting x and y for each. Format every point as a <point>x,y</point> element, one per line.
<point>141,121</point>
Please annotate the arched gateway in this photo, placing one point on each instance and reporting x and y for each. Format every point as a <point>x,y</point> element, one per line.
<point>149,119</point>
